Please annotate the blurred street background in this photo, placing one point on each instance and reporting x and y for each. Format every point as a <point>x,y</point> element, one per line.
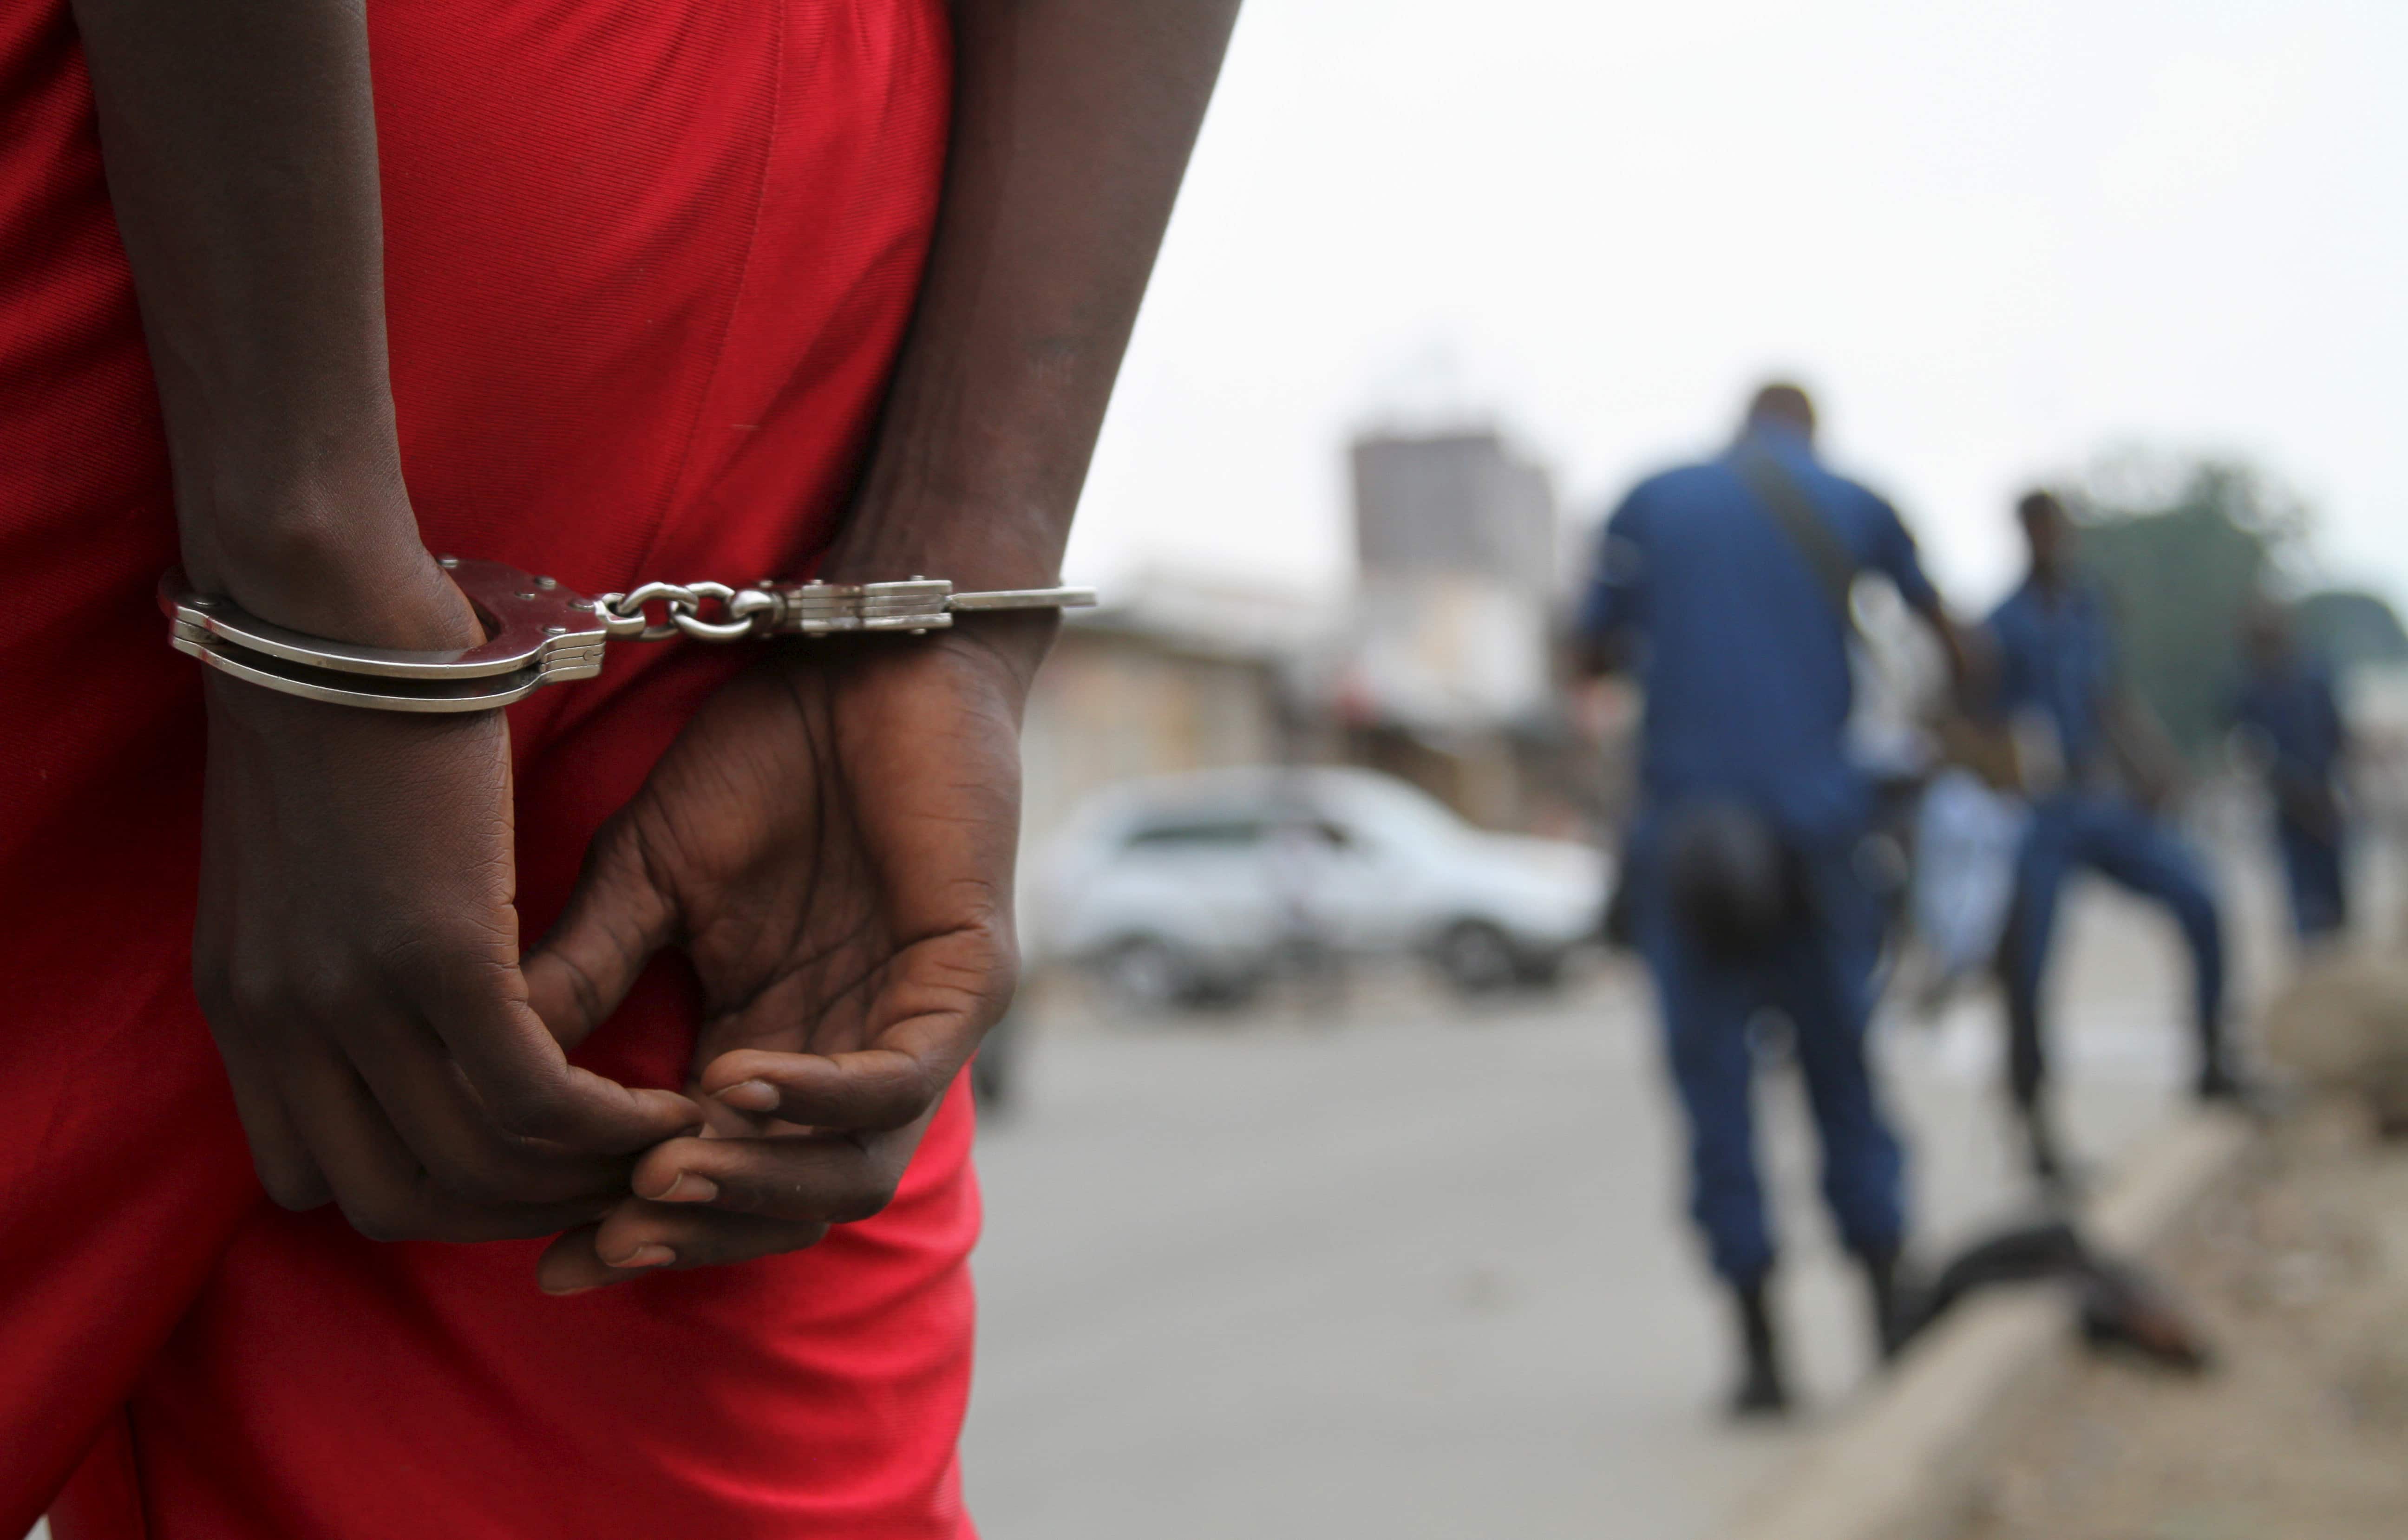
<point>1330,1195</point>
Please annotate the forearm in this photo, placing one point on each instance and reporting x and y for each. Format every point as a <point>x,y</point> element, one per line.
<point>1596,654</point>
<point>239,142</point>
<point>1954,651</point>
<point>1072,124</point>
<point>2142,743</point>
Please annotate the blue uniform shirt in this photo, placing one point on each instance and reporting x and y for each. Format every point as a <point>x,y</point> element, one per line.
<point>2293,709</point>
<point>1744,658</point>
<point>2056,656</point>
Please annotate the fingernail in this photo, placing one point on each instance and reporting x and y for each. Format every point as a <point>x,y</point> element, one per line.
<point>574,1289</point>
<point>750,1096</point>
<point>689,1188</point>
<point>650,1254</point>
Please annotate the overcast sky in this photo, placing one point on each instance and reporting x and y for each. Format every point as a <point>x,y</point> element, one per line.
<point>1997,236</point>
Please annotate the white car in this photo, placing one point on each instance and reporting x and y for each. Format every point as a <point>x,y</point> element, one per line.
<point>1191,888</point>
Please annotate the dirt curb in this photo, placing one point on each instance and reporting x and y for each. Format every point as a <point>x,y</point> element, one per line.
<point>1903,1463</point>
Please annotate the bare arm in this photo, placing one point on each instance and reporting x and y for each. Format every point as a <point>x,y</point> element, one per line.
<point>1596,655</point>
<point>241,145</point>
<point>1970,671</point>
<point>1072,124</point>
<point>356,881</point>
<point>2150,761</point>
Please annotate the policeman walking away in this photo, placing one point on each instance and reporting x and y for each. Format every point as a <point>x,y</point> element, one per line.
<point>1725,587</point>
<point>2097,808</point>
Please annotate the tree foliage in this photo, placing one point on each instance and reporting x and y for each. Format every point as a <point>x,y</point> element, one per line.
<point>2182,552</point>
<point>2183,549</point>
<point>2350,628</point>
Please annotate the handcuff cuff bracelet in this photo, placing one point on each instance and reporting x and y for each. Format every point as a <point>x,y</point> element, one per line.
<point>539,631</point>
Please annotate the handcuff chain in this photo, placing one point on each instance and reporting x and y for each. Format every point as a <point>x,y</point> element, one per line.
<point>815,608</point>
<point>752,612</point>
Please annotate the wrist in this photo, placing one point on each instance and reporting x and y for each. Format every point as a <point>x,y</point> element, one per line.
<point>1012,645</point>
<point>1002,545</point>
<point>340,560</point>
<point>1001,649</point>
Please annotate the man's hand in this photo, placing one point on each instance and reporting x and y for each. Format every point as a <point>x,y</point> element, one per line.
<point>831,842</point>
<point>2153,766</point>
<point>356,956</point>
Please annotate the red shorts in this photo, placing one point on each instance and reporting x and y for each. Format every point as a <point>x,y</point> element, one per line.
<point>648,267</point>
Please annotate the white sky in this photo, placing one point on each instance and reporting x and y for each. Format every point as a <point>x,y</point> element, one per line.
<point>1997,237</point>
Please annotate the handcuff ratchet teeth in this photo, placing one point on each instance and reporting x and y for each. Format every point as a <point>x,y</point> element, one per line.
<point>537,632</point>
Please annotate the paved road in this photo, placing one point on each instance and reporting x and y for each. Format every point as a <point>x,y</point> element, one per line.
<point>1399,1272</point>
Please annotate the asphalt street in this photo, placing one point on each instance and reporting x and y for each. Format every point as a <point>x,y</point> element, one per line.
<point>1402,1269</point>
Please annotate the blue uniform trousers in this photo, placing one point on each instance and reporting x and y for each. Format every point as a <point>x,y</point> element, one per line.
<point>2312,863</point>
<point>2119,839</point>
<point>1820,979</point>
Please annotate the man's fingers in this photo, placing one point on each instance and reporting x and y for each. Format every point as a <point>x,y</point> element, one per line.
<point>703,1202</point>
<point>584,1111</point>
<point>569,1266</point>
<point>943,993</point>
<point>525,1081</point>
<point>446,1130</point>
<point>617,918</point>
<point>870,1089</point>
<point>278,1153</point>
<point>638,1236</point>
<point>833,1177</point>
<point>383,1191</point>
<point>649,1238</point>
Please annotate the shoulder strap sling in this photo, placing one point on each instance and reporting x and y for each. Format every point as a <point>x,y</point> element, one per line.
<point>1985,748</point>
<point>1833,564</point>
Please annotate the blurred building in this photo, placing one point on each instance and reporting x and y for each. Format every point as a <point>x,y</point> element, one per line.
<point>1454,504</point>
<point>1449,676</point>
<point>1456,540</point>
<point>1442,669</point>
<point>1175,673</point>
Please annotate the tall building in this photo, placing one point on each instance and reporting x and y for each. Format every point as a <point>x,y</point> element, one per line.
<point>1448,678</point>
<point>1457,537</point>
<point>1459,504</point>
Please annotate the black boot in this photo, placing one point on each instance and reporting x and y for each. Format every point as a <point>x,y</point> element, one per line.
<point>1881,1295</point>
<point>1762,1391</point>
<point>2217,1083</point>
<point>2048,1163</point>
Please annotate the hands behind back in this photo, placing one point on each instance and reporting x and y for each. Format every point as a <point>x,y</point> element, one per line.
<point>830,840</point>
<point>357,957</point>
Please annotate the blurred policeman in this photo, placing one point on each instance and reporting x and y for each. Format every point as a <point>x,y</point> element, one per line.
<point>1725,587</point>
<point>2097,805</point>
<point>2287,713</point>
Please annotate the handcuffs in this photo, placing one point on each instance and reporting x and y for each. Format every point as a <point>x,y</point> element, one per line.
<point>540,632</point>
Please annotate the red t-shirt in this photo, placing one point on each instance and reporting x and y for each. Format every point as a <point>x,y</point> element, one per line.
<point>647,268</point>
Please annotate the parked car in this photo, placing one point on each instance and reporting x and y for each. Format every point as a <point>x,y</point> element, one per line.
<point>1192,889</point>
